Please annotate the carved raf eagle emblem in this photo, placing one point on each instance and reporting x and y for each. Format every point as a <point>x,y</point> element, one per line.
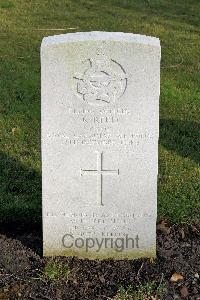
<point>103,81</point>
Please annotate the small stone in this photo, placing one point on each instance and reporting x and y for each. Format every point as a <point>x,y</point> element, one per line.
<point>184,292</point>
<point>102,279</point>
<point>182,232</point>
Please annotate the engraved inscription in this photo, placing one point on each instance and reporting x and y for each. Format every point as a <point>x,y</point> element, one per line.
<point>103,82</point>
<point>99,172</point>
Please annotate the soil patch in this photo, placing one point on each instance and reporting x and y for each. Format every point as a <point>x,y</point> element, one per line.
<point>22,274</point>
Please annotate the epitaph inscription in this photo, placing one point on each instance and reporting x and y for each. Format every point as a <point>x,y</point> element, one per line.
<point>100,144</point>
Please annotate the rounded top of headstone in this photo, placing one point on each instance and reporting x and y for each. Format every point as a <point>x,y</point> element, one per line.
<point>100,35</point>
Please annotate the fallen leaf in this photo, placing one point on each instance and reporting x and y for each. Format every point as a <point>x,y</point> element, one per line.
<point>175,277</point>
<point>14,130</point>
<point>163,227</point>
<point>184,292</point>
<point>3,296</point>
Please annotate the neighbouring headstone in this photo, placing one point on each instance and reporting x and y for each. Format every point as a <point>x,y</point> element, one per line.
<point>100,126</point>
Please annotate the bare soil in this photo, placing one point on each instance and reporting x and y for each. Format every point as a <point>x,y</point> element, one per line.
<point>21,266</point>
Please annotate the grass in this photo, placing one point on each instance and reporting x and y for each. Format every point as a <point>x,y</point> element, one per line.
<point>6,4</point>
<point>55,270</point>
<point>146,291</point>
<point>23,24</point>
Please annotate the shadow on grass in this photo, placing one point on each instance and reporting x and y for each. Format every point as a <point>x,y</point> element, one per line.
<point>20,188</point>
<point>20,202</point>
<point>182,137</point>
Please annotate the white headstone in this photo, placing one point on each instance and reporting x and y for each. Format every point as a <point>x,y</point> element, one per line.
<point>100,126</point>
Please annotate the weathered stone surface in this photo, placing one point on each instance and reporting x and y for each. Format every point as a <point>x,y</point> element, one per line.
<point>100,112</point>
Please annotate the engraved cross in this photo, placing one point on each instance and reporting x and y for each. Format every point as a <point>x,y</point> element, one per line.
<point>99,172</point>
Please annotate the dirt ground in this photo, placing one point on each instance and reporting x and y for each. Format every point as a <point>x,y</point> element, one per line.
<point>177,267</point>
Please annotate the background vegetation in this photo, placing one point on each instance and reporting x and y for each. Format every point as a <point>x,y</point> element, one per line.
<point>23,24</point>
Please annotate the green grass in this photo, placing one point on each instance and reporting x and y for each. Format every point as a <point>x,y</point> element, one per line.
<point>6,4</point>
<point>142,292</point>
<point>23,24</point>
<point>55,270</point>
